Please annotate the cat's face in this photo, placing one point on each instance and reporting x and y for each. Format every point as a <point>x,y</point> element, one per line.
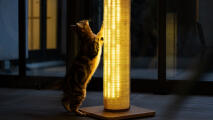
<point>84,31</point>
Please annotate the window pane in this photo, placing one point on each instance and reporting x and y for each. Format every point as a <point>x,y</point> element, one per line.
<point>144,39</point>
<point>34,24</point>
<point>9,37</point>
<point>206,18</point>
<point>182,44</point>
<point>186,22</point>
<point>51,24</point>
<point>48,58</point>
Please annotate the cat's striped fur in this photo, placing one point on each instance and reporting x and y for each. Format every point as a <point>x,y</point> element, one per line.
<point>83,67</point>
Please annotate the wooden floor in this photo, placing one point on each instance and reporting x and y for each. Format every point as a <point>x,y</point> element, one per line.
<point>25,104</point>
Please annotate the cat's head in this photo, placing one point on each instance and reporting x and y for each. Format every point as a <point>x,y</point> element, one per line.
<point>83,29</point>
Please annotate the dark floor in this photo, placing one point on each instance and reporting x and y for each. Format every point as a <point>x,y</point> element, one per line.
<point>24,104</point>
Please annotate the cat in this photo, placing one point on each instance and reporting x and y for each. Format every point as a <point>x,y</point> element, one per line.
<point>83,67</point>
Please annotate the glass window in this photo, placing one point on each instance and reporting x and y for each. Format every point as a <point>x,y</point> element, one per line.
<point>51,24</point>
<point>205,19</point>
<point>9,41</point>
<point>188,36</point>
<point>144,60</point>
<point>33,24</point>
<point>46,46</point>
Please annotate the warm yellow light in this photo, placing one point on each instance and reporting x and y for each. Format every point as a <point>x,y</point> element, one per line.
<point>116,54</point>
<point>171,40</point>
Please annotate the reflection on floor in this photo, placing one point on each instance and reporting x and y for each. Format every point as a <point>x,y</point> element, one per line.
<point>25,104</point>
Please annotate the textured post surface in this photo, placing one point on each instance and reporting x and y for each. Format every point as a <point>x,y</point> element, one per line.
<point>116,54</point>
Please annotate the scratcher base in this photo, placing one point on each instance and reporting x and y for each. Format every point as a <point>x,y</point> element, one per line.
<point>133,112</point>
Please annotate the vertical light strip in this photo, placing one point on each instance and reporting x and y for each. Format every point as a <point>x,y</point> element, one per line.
<point>171,41</point>
<point>116,54</point>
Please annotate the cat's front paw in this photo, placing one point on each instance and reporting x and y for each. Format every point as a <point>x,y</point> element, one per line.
<point>80,113</point>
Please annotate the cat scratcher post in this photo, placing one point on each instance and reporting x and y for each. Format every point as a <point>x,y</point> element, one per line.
<point>117,65</point>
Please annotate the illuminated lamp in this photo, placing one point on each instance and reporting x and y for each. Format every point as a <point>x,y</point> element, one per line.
<point>116,54</point>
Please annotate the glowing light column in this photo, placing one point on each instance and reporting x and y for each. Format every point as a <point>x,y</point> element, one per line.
<point>117,54</point>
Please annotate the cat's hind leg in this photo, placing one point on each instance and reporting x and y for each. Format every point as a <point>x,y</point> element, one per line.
<point>73,109</point>
<point>72,105</point>
<point>80,113</point>
<point>66,105</point>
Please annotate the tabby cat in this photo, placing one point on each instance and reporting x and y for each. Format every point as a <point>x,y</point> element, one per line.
<point>83,67</point>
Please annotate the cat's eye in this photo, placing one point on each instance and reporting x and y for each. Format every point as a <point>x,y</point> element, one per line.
<point>102,38</point>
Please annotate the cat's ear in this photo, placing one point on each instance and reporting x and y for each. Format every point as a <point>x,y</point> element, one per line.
<point>79,25</point>
<point>82,24</point>
<point>87,22</point>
